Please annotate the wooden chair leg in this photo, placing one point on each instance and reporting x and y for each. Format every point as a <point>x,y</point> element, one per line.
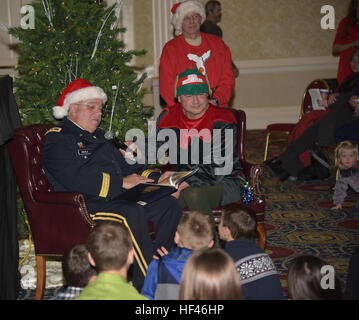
<point>266,147</point>
<point>41,277</point>
<point>262,235</point>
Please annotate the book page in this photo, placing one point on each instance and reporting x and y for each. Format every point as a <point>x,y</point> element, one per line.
<point>175,179</point>
<point>315,95</point>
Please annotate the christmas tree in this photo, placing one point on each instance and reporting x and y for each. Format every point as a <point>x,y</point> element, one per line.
<point>77,39</point>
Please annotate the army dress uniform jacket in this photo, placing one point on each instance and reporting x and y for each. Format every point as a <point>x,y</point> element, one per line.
<point>76,160</point>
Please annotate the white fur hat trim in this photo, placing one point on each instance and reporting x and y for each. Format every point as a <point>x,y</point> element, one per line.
<point>60,112</point>
<point>185,8</point>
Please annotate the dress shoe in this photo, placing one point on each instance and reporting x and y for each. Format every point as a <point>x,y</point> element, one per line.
<point>275,165</point>
<point>274,162</point>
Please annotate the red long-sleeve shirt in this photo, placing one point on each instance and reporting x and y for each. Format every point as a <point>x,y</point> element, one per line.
<point>174,60</point>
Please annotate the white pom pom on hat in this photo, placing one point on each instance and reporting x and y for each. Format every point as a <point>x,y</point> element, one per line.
<point>180,9</point>
<point>78,90</point>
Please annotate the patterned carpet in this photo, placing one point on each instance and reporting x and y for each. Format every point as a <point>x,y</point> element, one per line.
<point>298,220</point>
<point>298,217</point>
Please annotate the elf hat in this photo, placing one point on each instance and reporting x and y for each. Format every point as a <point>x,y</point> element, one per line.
<point>192,82</point>
<point>78,90</point>
<point>181,9</point>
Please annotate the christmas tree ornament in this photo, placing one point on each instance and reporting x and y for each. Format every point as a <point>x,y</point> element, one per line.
<point>48,10</point>
<point>117,14</point>
<point>248,194</point>
<point>109,134</point>
<point>99,35</point>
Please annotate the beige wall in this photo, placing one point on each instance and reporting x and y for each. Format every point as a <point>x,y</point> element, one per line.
<point>143,30</point>
<point>278,46</point>
<point>272,29</point>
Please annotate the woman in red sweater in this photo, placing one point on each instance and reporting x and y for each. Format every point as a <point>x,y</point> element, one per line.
<point>346,40</point>
<point>192,48</point>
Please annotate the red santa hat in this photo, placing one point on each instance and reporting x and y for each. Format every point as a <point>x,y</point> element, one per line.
<point>181,9</point>
<point>78,90</point>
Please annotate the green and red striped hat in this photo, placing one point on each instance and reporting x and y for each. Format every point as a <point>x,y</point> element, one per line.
<point>192,82</point>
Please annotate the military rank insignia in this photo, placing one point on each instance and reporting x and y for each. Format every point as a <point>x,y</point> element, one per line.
<point>81,145</point>
<point>54,129</point>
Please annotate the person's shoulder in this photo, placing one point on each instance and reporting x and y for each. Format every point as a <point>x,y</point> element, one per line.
<point>58,132</point>
<point>342,24</point>
<point>173,42</point>
<point>55,132</point>
<point>222,114</point>
<point>212,38</point>
<point>345,20</point>
<point>170,116</point>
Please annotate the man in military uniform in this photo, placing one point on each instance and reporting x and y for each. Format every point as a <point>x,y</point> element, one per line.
<point>77,157</point>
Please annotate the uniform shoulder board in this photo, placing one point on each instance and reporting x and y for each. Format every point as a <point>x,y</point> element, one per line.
<point>54,129</point>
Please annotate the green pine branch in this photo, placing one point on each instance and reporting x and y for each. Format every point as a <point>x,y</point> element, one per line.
<point>51,56</point>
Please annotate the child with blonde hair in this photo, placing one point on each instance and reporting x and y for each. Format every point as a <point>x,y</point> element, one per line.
<point>346,160</point>
<point>195,231</point>
<point>210,274</point>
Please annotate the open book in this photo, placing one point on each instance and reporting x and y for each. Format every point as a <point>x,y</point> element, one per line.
<point>177,178</point>
<point>315,95</point>
<point>146,193</point>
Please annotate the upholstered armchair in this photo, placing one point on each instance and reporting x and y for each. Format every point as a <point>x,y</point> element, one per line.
<point>253,174</point>
<point>58,220</point>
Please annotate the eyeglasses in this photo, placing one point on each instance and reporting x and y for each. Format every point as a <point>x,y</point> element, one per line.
<point>91,106</point>
<point>192,17</point>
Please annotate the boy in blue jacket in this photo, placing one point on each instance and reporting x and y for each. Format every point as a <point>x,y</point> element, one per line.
<point>195,231</point>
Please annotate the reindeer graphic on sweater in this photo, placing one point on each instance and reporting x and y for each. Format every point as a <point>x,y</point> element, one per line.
<point>201,63</point>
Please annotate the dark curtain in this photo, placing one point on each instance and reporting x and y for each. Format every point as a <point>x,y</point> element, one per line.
<point>9,247</point>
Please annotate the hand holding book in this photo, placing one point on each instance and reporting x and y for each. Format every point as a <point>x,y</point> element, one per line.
<point>133,180</point>
<point>143,192</point>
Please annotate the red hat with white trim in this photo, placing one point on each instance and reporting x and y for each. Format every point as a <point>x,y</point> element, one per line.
<point>78,90</point>
<point>181,9</point>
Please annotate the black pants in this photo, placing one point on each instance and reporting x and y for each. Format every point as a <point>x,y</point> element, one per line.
<point>164,214</point>
<point>201,198</point>
<point>321,132</point>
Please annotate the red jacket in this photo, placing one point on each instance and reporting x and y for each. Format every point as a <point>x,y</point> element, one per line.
<point>174,60</point>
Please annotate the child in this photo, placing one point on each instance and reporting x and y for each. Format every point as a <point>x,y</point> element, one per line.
<point>77,272</point>
<point>210,274</point>
<point>257,272</point>
<point>305,280</point>
<point>346,160</point>
<point>111,252</point>
<point>195,231</point>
